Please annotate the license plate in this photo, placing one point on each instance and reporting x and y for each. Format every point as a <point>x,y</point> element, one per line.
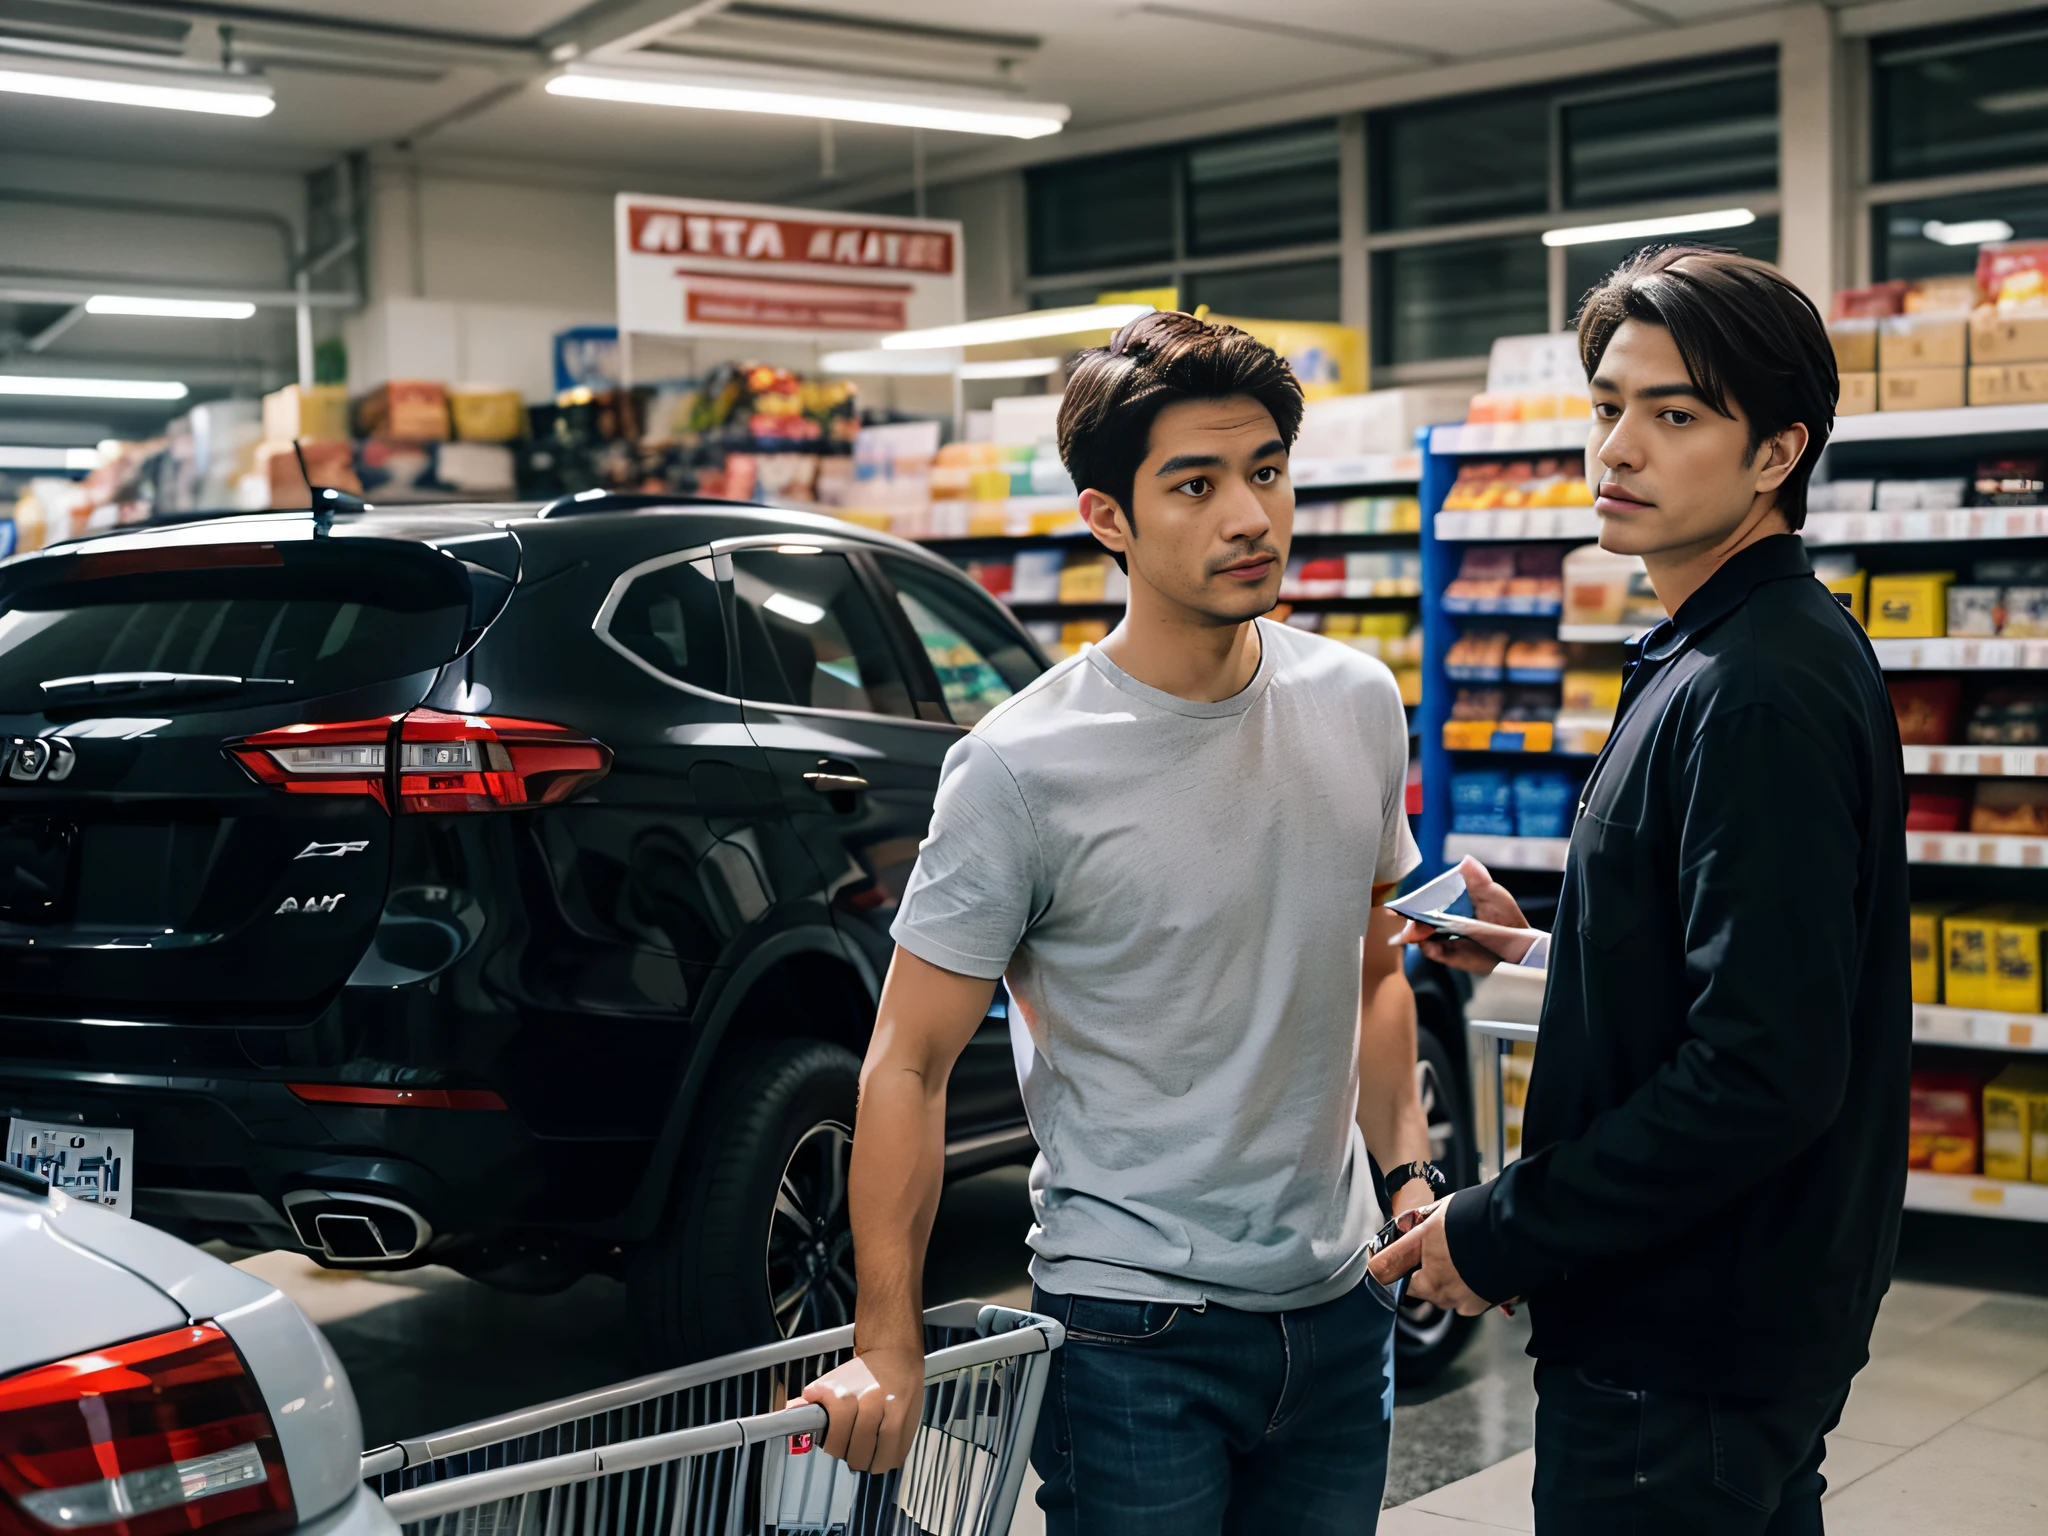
<point>92,1163</point>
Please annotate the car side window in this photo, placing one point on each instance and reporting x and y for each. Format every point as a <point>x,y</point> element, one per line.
<point>669,618</point>
<point>980,662</point>
<point>811,635</point>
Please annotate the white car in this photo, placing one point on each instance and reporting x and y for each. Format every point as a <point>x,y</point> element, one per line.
<point>147,1389</point>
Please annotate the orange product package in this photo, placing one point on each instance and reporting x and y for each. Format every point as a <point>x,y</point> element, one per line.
<point>1942,1123</point>
<point>1927,709</point>
<point>2014,272</point>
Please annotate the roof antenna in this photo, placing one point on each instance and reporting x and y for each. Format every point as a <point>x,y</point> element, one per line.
<point>326,501</point>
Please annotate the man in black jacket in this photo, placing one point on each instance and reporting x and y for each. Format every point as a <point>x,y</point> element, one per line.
<point>1714,1145</point>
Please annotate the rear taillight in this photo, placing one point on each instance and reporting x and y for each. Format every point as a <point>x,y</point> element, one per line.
<point>445,762</point>
<point>157,1436</point>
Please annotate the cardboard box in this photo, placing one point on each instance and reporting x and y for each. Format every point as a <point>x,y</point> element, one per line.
<point>1855,344</point>
<point>1923,933</point>
<point>487,415</point>
<point>1923,341</point>
<point>1909,607</point>
<point>411,410</point>
<point>2008,383</point>
<point>1859,394</point>
<point>1991,958</point>
<point>1921,389</point>
<point>1942,1123</point>
<point>2015,1101</point>
<point>1856,588</point>
<point>319,411</point>
<point>332,466</point>
<point>2014,336</point>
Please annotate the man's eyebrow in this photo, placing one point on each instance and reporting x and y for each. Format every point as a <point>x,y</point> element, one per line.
<point>1186,461</point>
<point>1685,391</point>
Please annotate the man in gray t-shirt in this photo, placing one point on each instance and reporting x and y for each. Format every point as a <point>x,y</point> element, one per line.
<point>1173,846</point>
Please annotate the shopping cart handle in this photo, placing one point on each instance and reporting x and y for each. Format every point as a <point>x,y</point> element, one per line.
<point>992,1320</point>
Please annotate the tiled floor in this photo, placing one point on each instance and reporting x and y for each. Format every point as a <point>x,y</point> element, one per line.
<point>1946,1430</point>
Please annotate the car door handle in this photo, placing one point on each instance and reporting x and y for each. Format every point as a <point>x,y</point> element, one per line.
<point>836,783</point>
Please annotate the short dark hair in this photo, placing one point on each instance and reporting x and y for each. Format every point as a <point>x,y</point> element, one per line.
<point>1743,328</point>
<point>1114,392</point>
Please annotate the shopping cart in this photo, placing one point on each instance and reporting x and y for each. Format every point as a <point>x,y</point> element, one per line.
<point>713,1449</point>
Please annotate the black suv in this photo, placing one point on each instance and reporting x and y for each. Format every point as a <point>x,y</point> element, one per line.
<point>506,888</point>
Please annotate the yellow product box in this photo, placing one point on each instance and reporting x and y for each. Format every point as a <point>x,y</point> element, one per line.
<point>1523,736</point>
<point>2016,336</point>
<point>1468,735</point>
<point>2008,383</point>
<point>317,412</point>
<point>2015,1102</point>
<point>1923,341</point>
<point>1084,581</point>
<point>1859,394</point>
<point>1076,633</point>
<point>1856,587</point>
<point>483,415</point>
<point>1909,607</point>
<point>1923,938</point>
<point>1855,344</point>
<point>1591,693</point>
<point>1409,681</point>
<point>1920,389</point>
<point>1991,958</point>
<point>988,485</point>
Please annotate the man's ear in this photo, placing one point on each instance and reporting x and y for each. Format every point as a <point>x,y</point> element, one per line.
<point>1780,454</point>
<point>1105,519</point>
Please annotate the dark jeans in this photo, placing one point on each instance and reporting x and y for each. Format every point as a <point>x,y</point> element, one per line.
<point>1168,1421</point>
<point>1612,1461</point>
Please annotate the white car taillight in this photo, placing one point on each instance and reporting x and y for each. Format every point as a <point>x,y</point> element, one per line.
<point>160,1435</point>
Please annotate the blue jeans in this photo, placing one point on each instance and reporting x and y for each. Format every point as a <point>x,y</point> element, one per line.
<point>1175,1421</point>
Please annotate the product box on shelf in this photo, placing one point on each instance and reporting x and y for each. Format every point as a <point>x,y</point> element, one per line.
<point>1942,1127</point>
<point>1855,344</point>
<point>1859,394</point>
<point>1851,588</point>
<point>1938,495</point>
<point>484,413</point>
<point>1841,496</point>
<point>2016,1123</point>
<point>331,464</point>
<point>1483,803</point>
<point>1911,606</point>
<point>1923,935</point>
<point>1921,389</point>
<point>2008,717</point>
<point>2008,383</point>
<point>1927,708</point>
<point>2011,808</point>
<point>1991,958</point>
<point>1909,342</point>
<point>1605,588</point>
<point>1975,612</point>
<point>411,410</point>
<point>2008,334</point>
<point>306,411</point>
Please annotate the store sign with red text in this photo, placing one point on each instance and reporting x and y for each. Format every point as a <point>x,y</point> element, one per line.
<point>688,267</point>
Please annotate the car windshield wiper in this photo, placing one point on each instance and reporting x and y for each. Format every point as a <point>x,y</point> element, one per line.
<point>121,685</point>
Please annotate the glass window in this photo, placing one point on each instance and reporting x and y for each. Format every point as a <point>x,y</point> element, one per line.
<point>1269,190</point>
<point>1966,100</point>
<point>1101,213</point>
<point>1300,290</point>
<point>811,635</point>
<point>1480,157</point>
<point>669,618</point>
<point>978,658</point>
<point>1678,140</point>
<point>1453,300</point>
<point>1904,239</point>
<point>1585,265</point>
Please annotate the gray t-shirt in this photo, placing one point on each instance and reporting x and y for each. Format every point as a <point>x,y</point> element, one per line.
<point>1178,892</point>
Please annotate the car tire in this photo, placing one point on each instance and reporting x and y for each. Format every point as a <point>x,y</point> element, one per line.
<point>759,1214</point>
<point>1427,1338</point>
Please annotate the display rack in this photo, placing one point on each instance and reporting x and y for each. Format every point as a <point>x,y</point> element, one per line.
<point>1959,865</point>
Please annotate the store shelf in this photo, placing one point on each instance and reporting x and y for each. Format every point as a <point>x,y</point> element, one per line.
<point>1362,469</point>
<point>1965,421</point>
<point>1599,634</point>
<point>1960,655</point>
<point>1959,1194</point>
<point>1519,523</point>
<point>1826,528</point>
<point>1562,435</point>
<point>1984,850</point>
<point>1934,1024</point>
<point>1507,852</point>
<point>1984,762</point>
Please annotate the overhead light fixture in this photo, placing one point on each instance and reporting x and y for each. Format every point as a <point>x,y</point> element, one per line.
<point>846,102</point>
<point>1010,368</point>
<point>873,360</point>
<point>1968,232</point>
<point>49,458</point>
<point>1639,229</point>
<point>115,86</point>
<point>175,309</point>
<point>90,389</point>
<point>1025,327</point>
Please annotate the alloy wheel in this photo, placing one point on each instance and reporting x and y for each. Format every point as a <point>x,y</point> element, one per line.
<point>810,1235</point>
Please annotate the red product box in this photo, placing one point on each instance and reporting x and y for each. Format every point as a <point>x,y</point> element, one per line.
<point>1927,709</point>
<point>1937,810</point>
<point>1943,1130</point>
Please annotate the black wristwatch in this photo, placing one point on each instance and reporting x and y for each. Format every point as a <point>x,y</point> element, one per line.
<point>1428,1172</point>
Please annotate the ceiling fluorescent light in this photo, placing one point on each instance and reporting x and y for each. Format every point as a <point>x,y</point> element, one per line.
<point>73,459</point>
<point>111,85</point>
<point>1638,229</point>
<point>1968,232</point>
<point>1025,327</point>
<point>873,360</point>
<point>1011,368</point>
<point>90,389</point>
<point>851,102</point>
<point>176,309</point>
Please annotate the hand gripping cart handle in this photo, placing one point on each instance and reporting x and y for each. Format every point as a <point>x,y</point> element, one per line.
<point>713,1449</point>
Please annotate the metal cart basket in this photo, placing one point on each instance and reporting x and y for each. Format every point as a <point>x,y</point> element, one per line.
<point>713,1449</point>
<point>1500,1056</point>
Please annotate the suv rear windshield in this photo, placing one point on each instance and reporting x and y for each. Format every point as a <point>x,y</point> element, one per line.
<point>295,621</point>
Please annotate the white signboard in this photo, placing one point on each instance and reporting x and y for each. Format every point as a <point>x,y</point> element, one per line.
<point>693,268</point>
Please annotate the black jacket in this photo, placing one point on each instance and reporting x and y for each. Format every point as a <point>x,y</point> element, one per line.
<point>1714,1143</point>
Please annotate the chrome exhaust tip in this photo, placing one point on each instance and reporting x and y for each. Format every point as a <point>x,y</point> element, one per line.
<point>344,1228</point>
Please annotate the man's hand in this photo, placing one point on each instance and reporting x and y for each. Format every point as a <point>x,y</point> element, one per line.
<point>1423,1254</point>
<point>1506,934</point>
<point>873,1405</point>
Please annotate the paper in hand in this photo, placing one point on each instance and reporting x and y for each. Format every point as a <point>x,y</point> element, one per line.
<point>1442,904</point>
